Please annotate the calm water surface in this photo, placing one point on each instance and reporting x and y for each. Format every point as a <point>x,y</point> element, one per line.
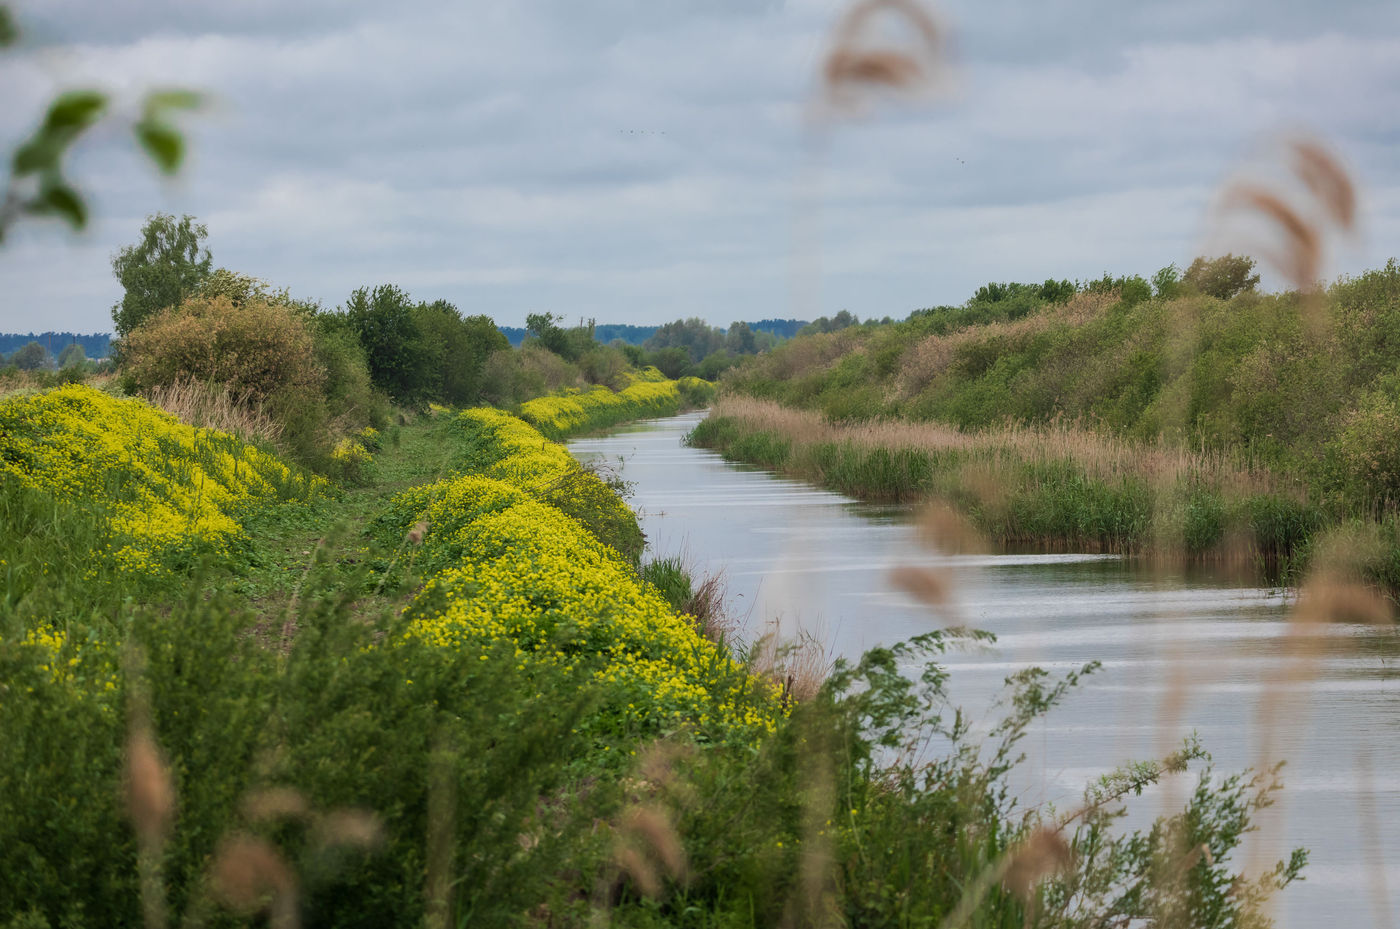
<point>1181,653</point>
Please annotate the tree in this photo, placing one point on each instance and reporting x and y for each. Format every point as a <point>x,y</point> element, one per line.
<point>72,354</point>
<point>1222,277</point>
<point>30,357</point>
<point>160,271</point>
<point>1166,283</point>
<point>740,340</point>
<point>399,358</point>
<point>456,349</point>
<point>546,330</point>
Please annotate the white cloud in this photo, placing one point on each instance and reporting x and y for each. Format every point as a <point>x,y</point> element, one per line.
<point>634,160</point>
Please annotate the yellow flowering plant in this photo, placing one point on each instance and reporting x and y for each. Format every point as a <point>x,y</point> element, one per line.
<point>169,491</point>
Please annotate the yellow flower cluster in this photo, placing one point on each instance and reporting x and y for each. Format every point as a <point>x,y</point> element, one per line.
<point>523,571</point>
<point>166,487</point>
<point>349,452</point>
<point>88,671</point>
<point>649,373</point>
<point>562,414</point>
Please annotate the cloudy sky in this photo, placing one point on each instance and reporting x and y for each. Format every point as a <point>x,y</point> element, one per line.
<point>641,160</point>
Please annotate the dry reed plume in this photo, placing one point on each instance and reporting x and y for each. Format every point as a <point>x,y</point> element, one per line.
<point>859,65</point>
<point>1315,193</point>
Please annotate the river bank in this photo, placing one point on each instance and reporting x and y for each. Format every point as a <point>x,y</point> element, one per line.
<point>1062,488</point>
<point>1185,648</point>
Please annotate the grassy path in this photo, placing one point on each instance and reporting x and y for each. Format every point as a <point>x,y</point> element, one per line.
<point>289,540</point>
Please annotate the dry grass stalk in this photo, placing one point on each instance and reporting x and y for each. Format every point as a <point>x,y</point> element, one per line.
<point>213,407</point>
<point>348,829</point>
<point>647,837</point>
<point>1324,176</point>
<point>1043,853</point>
<point>1330,596</point>
<point>856,66</point>
<point>442,821</point>
<point>249,876</point>
<point>1301,259</point>
<point>274,803</point>
<point>799,666</point>
<point>942,528</point>
<point>706,607</point>
<point>150,796</point>
<point>1371,841</point>
<point>151,804</point>
<point>1300,223</point>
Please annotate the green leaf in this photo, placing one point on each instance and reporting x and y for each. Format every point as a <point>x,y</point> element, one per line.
<point>163,143</point>
<point>40,153</point>
<point>9,32</point>
<point>58,199</point>
<point>173,99</point>
<point>74,111</point>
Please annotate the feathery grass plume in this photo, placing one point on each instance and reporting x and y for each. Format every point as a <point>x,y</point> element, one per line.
<point>347,828</point>
<point>857,66</point>
<point>150,795</point>
<point>1323,174</point>
<point>1301,258</point>
<point>1315,192</point>
<point>249,876</point>
<point>648,834</point>
<point>942,528</point>
<point>442,824</point>
<point>273,804</point>
<point>1043,853</point>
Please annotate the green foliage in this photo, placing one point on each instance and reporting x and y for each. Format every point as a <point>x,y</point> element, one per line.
<point>160,271</point>
<point>384,321</point>
<point>31,357</point>
<point>71,355</point>
<point>1223,278</point>
<point>695,337</point>
<point>455,350</point>
<point>670,579</point>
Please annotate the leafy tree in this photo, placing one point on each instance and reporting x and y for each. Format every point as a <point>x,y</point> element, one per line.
<point>740,340</point>
<point>30,357</point>
<point>545,329</point>
<point>672,361</point>
<point>696,336</point>
<point>399,357</point>
<point>1222,277</point>
<point>160,271</point>
<point>1166,283</point>
<point>72,354</point>
<point>456,349</point>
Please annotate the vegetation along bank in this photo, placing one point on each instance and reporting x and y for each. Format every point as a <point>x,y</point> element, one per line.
<point>1190,417</point>
<point>444,692</point>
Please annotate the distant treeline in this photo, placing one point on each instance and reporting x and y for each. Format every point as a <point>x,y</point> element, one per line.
<point>96,345</point>
<point>638,335</point>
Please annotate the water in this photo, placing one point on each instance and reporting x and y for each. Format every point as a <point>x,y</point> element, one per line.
<point>1182,652</point>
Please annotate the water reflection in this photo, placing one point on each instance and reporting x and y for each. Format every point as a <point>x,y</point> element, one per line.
<point>1182,651</point>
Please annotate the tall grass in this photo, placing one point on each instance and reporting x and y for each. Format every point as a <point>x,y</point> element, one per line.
<point>1054,486</point>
